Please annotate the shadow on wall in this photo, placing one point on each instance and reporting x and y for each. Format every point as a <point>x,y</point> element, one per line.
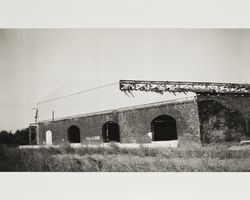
<point>219,123</point>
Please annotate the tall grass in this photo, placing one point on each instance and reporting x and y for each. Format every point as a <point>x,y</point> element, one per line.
<point>10,158</point>
<point>115,159</point>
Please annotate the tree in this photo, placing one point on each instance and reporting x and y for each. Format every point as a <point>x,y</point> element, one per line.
<point>21,137</point>
<point>6,137</point>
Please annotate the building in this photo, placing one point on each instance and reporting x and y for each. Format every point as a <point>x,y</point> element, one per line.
<point>213,113</point>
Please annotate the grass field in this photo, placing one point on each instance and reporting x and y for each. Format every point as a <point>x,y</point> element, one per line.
<point>216,158</point>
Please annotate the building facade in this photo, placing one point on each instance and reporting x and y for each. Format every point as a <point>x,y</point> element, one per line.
<point>203,118</point>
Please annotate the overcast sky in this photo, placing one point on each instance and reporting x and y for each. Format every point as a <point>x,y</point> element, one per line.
<point>34,63</point>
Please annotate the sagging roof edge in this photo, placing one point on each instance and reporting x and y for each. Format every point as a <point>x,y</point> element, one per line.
<point>148,105</point>
<point>186,82</point>
<point>183,87</point>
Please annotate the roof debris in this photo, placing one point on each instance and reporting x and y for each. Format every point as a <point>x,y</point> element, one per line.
<point>184,87</point>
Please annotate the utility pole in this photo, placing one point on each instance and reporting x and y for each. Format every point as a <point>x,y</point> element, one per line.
<point>53,116</point>
<point>36,116</point>
<point>32,126</point>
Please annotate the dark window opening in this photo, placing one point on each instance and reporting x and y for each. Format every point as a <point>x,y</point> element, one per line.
<point>110,132</point>
<point>163,128</point>
<point>74,134</point>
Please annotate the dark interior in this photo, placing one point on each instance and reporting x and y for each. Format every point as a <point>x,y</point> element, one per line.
<point>74,134</point>
<point>110,132</point>
<point>164,128</point>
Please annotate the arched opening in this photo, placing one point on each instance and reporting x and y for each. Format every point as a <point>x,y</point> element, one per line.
<point>48,137</point>
<point>111,132</point>
<point>74,134</point>
<point>163,128</point>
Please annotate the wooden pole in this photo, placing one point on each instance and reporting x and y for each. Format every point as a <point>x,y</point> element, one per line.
<point>53,116</point>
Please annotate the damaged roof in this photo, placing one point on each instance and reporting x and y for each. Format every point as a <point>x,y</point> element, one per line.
<point>184,87</point>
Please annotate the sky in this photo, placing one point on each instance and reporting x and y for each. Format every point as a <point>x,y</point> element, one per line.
<point>38,64</point>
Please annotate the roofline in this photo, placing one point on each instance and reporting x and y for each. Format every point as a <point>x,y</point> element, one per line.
<point>187,82</point>
<point>128,108</point>
<point>183,87</point>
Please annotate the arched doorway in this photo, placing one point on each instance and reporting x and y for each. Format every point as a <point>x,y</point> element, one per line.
<point>111,132</point>
<point>163,128</point>
<point>48,137</point>
<point>74,134</point>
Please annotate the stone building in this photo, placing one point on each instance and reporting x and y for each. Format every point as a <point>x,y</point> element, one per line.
<point>203,117</point>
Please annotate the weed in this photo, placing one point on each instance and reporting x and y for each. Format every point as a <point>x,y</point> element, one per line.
<point>116,159</point>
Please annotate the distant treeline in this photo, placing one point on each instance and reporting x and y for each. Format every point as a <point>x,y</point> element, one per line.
<point>20,137</point>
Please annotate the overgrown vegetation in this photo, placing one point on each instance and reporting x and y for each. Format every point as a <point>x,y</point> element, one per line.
<point>20,137</point>
<point>115,159</point>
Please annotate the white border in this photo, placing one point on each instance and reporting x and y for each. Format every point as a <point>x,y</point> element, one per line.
<point>124,14</point>
<point>125,186</point>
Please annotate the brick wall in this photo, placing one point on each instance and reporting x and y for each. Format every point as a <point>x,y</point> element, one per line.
<point>224,117</point>
<point>134,123</point>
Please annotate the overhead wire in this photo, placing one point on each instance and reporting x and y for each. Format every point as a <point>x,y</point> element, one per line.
<point>54,99</point>
<point>76,93</point>
<point>16,105</point>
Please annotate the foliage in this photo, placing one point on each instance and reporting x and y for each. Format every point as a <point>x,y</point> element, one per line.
<point>20,137</point>
<point>115,159</point>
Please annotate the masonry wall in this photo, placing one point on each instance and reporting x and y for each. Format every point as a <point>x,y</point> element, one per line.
<point>134,123</point>
<point>224,117</point>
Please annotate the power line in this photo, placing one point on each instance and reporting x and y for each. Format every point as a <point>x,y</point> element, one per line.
<point>76,93</point>
<point>16,105</point>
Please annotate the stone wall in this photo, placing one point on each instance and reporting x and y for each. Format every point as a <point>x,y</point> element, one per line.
<point>134,123</point>
<point>224,117</point>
